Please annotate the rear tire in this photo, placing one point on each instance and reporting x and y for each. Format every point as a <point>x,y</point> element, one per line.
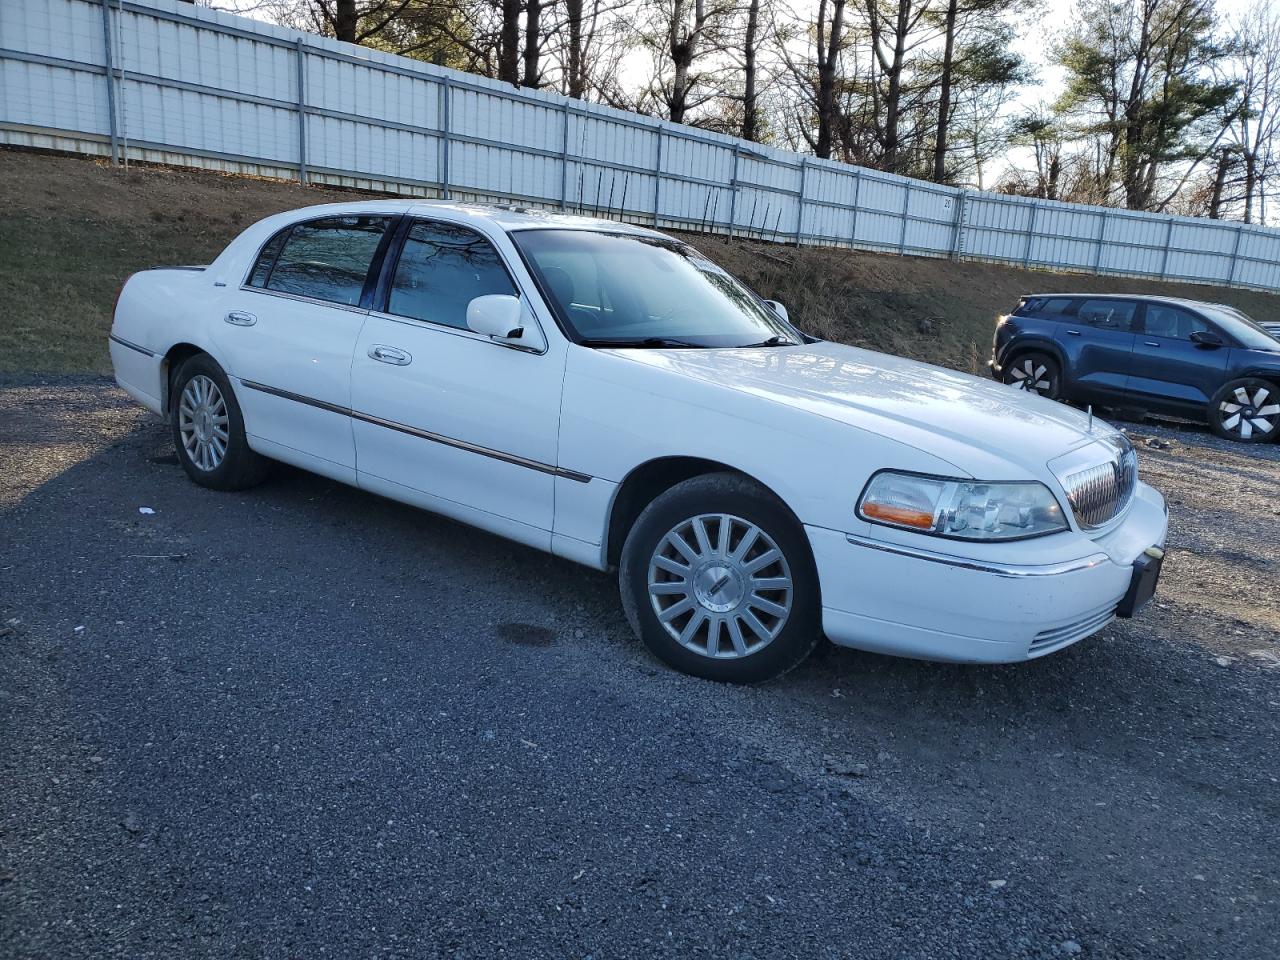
<point>718,580</point>
<point>1036,373</point>
<point>1246,411</point>
<point>208,428</point>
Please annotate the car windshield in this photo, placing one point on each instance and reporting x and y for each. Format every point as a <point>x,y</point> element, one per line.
<point>613,289</point>
<point>1243,328</point>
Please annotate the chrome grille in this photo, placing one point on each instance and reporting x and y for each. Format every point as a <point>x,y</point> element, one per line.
<point>1100,493</point>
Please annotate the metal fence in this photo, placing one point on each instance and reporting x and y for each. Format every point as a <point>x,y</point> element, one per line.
<point>166,81</point>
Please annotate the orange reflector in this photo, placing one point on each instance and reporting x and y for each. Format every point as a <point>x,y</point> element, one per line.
<point>905,516</point>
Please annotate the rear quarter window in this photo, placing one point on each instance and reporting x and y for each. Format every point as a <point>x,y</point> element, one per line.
<point>1049,307</point>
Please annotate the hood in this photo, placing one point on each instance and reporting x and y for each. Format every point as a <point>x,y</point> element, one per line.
<point>977,425</point>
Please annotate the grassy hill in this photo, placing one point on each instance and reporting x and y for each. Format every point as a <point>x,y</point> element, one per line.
<point>71,229</point>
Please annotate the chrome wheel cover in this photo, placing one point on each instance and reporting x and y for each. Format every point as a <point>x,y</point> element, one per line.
<point>203,423</point>
<point>1029,375</point>
<point>1245,415</point>
<point>720,586</point>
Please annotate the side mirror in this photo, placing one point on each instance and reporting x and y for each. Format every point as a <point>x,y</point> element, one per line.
<point>779,309</point>
<point>1206,338</point>
<point>496,315</point>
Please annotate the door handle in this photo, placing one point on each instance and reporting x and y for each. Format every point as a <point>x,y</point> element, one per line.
<point>1074,333</point>
<point>239,318</point>
<point>1151,343</point>
<point>384,354</point>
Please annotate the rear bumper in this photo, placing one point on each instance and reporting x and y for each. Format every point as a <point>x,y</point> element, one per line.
<point>929,605</point>
<point>138,372</point>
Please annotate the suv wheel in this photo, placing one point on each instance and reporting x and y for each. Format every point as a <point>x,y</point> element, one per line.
<point>718,580</point>
<point>1246,410</point>
<point>1035,373</point>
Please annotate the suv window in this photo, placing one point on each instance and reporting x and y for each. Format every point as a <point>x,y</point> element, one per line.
<point>442,268</point>
<point>1051,307</point>
<point>1173,323</point>
<point>1108,314</point>
<point>326,259</point>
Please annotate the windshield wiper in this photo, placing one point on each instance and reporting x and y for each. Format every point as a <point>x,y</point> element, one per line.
<point>775,341</point>
<point>637,342</point>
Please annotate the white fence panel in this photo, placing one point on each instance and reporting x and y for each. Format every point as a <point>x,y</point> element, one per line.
<point>183,84</point>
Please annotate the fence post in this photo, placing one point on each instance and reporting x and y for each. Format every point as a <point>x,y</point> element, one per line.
<point>857,188</point>
<point>1031,233</point>
<point>1168,239</point>
<point>446,102</point>
<point>804,171</point>
<point>733,193</point>
<point>906,206</point>
<point>300,53</point>
<point>657,179</point>
<point>564,159</point>
<point>1235,255</point>
<point>111,83</point>
<point>1102,233</point>
<point>957,233</point>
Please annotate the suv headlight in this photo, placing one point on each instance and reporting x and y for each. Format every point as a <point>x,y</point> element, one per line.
<point>961,509</point>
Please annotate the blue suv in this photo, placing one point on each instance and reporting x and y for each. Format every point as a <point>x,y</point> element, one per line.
<point>1202,361</point>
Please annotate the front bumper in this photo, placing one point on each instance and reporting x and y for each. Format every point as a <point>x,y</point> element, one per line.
<point>917,600</point>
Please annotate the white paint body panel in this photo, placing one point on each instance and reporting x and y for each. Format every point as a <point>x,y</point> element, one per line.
<point>812,423</point>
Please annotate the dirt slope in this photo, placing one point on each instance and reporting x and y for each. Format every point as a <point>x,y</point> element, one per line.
<point>72,228</point>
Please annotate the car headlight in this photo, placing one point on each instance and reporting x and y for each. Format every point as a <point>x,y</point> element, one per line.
<point>961,509</point>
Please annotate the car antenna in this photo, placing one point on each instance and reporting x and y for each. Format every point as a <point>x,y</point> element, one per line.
<point>1091,418</point>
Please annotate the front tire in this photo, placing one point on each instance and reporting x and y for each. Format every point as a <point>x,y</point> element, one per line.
<point>718,580</point>
<point>1036,373</point>
<point>208,428</point>
<point>1246,410</point>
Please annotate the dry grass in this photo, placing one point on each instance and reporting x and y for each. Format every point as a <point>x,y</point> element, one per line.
<point>71,230</point>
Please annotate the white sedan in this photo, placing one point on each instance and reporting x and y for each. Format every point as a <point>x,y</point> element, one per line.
<point>608,394</point>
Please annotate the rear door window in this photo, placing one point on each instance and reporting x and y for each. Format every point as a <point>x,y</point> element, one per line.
<point>325,259</point>
<point>1108,314</point>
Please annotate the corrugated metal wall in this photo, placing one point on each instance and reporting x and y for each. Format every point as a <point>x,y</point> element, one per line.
<point>166,81</point>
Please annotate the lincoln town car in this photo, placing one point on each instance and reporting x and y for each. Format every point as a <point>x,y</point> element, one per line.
<point>608,394</point>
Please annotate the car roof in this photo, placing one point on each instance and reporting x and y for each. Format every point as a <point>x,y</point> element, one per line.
<point>508,217</point>
<point>1151,298</point>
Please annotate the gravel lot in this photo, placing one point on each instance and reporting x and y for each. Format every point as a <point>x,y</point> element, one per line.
<point>306,722</point>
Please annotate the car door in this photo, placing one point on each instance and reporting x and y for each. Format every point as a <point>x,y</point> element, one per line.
<point>448,418</point>
<point>1098,343</point>
<point>1170,370</point>
<point>288,334</point>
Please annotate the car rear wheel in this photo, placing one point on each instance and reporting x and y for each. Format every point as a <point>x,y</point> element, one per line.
<point>1034,373</point>
<point>1246,410</point>
<point>718,581</point>
<point>208,429</point>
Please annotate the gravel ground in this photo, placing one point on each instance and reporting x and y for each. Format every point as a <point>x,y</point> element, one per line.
<point>306,722</point>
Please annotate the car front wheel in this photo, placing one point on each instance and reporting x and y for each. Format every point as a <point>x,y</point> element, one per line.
<point>718,581</point>
<point>1246,410</point>
<point>208,428</point>
<point>1035,373</point>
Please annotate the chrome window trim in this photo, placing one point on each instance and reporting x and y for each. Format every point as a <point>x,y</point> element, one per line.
<point>460,332</point>
<point>1011,570</point>
<point>350,308</point>
<point>405,428</point>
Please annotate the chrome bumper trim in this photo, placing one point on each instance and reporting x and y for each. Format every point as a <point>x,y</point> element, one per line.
<point>982,566</point>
